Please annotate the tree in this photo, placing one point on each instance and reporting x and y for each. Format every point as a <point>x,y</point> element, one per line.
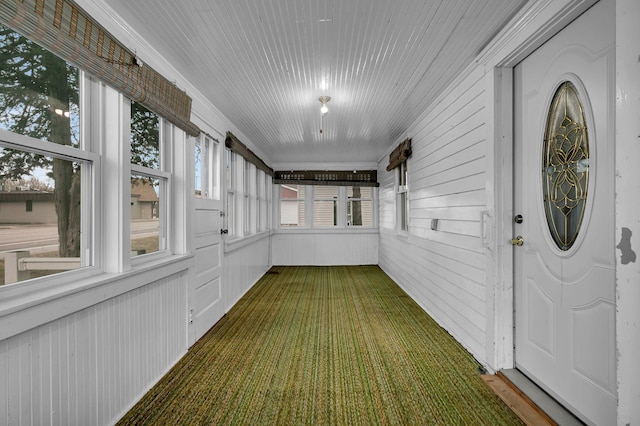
<point>38,91</point>
<point>145,150</point>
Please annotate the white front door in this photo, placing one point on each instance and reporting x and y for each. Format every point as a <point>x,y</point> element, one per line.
<point>564,192</point>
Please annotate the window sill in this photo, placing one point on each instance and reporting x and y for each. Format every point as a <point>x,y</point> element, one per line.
<point>238,243</point>
<point>33,303</point>
<point>350,230</point>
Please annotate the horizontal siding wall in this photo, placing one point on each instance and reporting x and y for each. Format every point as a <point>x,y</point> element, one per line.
<point>444,269</point>
<point>325,249</point>
<point>89,367</point>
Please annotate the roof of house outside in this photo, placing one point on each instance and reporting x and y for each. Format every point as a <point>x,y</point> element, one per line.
<point>16,196</point>
<point>143,191</point>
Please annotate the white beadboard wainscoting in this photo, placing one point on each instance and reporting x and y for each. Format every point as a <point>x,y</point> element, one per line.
<point>245,262</point>
<point>89,367</point>
<point>324,249</point>
<point>443,270</point>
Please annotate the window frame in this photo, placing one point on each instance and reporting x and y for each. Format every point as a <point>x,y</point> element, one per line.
<point>349,202</point>
<point>231,209</point>
<point>164,176</point>
<point>248,210</point>
<point>402,198</point>
<point>341,207</point>
<point>305,204</point>
<point>89,221</point>
<point>208,179</point>
<point>316,199</point>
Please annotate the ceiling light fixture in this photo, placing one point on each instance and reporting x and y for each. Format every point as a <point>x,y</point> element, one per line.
<point>323,100</point>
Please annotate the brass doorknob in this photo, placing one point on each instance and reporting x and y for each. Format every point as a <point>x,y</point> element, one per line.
<point>517,241</point>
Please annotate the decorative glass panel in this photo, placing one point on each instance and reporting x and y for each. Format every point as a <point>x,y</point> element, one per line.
<point>565,166</point>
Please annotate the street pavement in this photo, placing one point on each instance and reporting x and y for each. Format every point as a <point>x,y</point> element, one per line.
<point>42,238</point>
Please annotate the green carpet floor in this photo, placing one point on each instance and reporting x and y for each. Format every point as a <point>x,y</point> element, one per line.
<point>324,345</point>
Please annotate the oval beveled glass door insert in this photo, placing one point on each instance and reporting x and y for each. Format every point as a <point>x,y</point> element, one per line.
<point>565,166</point>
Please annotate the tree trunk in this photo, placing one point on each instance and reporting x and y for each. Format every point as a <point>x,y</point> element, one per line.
<point>67,186</point>
<point>356,218</point>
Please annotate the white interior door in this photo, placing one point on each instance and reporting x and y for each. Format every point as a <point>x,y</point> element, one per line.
<point>206,292</point>
<point>205,284</point>
<point>564,191</point>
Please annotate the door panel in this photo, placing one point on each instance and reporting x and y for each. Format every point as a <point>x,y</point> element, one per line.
<point>205,292</point>
<point>564,298</point>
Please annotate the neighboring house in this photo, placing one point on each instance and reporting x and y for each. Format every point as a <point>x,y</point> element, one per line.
<point>144,200</point>
<point>27,207</point>
<point>38,207</point>
<point>291,210</point>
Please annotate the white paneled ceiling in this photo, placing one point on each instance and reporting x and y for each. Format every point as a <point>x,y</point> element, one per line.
<point>264,64</point>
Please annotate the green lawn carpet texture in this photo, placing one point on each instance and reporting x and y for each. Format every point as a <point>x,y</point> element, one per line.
<point>310,345</point>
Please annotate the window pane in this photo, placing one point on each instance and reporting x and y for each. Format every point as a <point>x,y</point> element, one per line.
<point>359,206</point>
<point>145,215</point>
<point>359,213</point>
<point>292,210</point>
<point>247,214</point>
<point>205,165</point>
<point>402,174</point>
<point>230,216</point>
<point>292,192</point>
<point>403,211</point>
<point>229,169</point>
<point>214,167</point>
<point>359,192</point>
<point>38,91</point>
<point>325,213</point>
<point>325,206</point>
<point>145,137</point>
<point>324,192</point>
<point>198,167</point>
<point>45,240</point>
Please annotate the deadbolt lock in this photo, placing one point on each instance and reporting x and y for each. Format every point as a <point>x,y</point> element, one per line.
<point>518,218</point>
<point>517,241</point>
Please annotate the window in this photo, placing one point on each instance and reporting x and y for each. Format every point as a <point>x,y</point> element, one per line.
<point>201,170</point>
<point>40,154</point>
<point>260,201</point>
<point>359,206</point>
<point>330,207</point>
<point>325,206</point>
<point>266,212</point>
<point>231,192</point>
<point>148,183</point>
<point>565,166</point>
<point>402,197</point>
<point>206,165</point>
<point>247,200</point>
<point>292,211</point>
